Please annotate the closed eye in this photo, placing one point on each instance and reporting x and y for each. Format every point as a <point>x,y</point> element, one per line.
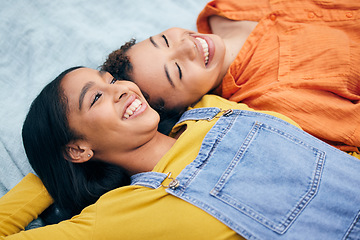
<point>180,72</point>
<point>165,39</point>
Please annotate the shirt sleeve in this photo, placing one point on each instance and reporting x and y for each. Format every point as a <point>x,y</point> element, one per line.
<point>26,201</point>
<point>22,204</point>
<point>250,10</point>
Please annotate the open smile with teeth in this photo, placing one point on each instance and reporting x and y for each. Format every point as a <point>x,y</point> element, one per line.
<point>130,110</point>
<point>205,47</point>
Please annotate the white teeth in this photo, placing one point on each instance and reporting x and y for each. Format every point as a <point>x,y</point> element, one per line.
<point>134,106</point>
<point>205,47</point>
<point>129,111</point>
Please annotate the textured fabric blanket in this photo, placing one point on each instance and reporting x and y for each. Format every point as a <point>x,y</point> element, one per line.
<point>39,39</point>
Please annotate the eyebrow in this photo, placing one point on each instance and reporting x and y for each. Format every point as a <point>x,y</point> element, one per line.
<point>168,76</point>
<point>86,88</point>
<point>153,42</point>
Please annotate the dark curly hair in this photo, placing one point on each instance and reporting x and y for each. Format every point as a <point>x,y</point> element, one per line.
<point>118,63</point>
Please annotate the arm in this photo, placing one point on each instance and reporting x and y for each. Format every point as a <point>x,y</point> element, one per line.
<point>22,204</point>
<point>25,202</point>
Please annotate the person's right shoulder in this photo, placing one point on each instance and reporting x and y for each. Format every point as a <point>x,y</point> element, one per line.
<point>220,102</point>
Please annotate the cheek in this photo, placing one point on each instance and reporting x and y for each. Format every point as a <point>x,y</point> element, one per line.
<point>201,81</point>
<point>141,124</point>
<point>150,120</point>
<point>181,99</point>
<point>101,120</point>
<point>151,84</point>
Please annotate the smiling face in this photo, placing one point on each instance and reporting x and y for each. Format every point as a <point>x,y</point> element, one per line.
<point>112,116</point>
<point>177,66</point>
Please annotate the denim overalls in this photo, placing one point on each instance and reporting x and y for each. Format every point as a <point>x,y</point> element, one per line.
<point>266,179</point>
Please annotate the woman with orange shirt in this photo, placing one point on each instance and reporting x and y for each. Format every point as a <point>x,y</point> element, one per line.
<point>298,58</point>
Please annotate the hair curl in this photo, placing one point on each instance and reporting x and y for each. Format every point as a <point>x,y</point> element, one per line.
<point>118,63</point>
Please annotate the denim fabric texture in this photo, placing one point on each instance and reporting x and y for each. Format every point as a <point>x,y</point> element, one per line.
<point>266,179</point>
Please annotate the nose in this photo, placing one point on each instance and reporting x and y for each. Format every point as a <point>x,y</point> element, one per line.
<point>119,90</point>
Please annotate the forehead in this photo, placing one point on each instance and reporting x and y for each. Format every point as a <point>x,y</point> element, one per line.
<point>148,66</point>
<point>74,82</point>
<point>83,74</point>
<point>144,56</point>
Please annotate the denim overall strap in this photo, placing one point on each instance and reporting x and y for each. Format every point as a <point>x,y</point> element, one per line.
<point>148,179</point>
<point>200,114</point>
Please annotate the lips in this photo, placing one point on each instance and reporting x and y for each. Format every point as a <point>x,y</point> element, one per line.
<point>133,108</point>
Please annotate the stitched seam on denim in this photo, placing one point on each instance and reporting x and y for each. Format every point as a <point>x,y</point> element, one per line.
<point>311,193</point>
<point>355,225</point>
<point>304,200</point>
<point>198,114</point>
<point>208,154</point>
<point>149,179</point>
<point>320,156</point>
<point>147,184</point>
<point>224,178</point>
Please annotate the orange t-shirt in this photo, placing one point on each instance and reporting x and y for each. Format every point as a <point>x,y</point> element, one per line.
<point>301,60</point>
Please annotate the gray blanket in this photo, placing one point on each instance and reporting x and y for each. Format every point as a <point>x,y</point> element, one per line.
<point>41,38</point>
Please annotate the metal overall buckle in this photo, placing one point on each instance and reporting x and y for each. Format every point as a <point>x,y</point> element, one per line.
<point>224,113</point>
<point>174,182</point>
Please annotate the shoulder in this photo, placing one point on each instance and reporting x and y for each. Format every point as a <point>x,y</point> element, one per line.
<point>210,100</point>
<point>220,102</point>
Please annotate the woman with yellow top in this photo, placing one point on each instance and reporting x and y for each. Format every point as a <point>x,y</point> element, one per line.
<point>226,171</point>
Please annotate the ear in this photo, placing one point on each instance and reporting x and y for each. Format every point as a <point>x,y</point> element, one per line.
<point>78,152</point>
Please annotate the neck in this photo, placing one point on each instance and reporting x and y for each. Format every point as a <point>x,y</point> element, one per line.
<point>143,158</point>
<point>234,35</point>
<point>150,153</point>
